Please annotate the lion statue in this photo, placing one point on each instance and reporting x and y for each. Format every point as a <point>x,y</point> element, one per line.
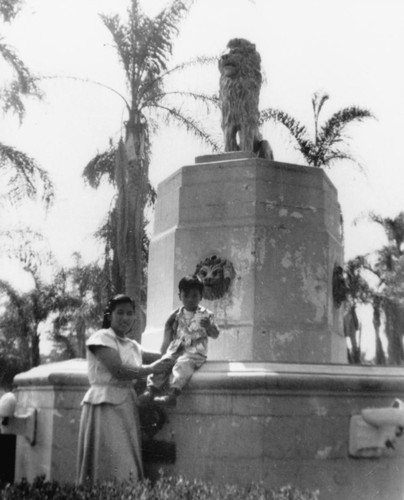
<point>216,274</point>
<point>240,84</point>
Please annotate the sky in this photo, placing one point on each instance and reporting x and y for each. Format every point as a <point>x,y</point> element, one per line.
<point>350,49</point>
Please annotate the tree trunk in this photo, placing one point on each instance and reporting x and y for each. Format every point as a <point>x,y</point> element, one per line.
<point>120,219</point>
<point>136,201</point>
<point>131,175</point>
<point>380,356</point>
<point>35,354</point>
<point>394,329</point>
<point>81,337</point>
<point>351,327</point>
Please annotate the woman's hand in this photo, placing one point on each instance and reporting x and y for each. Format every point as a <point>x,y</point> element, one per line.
<point>111,359</point>
<point>161,366</point>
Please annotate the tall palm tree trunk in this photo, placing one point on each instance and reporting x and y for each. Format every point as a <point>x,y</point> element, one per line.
<point>121,168</point>
<point>131,177</point>
<point>394,329</point>
<point>380,356</point>
<point>35,354</point>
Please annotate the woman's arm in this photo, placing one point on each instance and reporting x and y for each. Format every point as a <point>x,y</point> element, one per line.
<point>169,331</point>
<point>150,356</point>
<point>111,359</point>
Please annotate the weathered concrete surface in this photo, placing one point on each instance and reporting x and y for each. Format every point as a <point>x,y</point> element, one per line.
<point>285,424</point>
<point>56,391</point>
<point>236,423</point>
<point>279,225</point>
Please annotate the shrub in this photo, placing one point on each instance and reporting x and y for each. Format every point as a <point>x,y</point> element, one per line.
<point>165,488</point>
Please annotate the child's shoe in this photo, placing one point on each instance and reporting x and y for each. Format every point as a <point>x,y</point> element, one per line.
<point>169,400</point>
<point>148,396</point>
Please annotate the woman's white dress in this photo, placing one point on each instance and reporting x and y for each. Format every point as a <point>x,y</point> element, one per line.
<point>109,438</point>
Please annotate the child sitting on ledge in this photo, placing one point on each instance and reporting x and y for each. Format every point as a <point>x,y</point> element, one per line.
<point>185,343</point>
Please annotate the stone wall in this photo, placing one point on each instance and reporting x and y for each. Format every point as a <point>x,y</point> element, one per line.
<point>237,422</point>
<point>56,391</point>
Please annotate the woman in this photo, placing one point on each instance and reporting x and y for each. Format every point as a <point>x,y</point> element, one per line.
<point>109,438</point>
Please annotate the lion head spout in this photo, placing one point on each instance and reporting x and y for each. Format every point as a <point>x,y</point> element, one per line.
<point>240,84</point>
<point>216,274</point>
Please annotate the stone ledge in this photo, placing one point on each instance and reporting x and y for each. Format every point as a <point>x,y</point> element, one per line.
<point>247,376</point>
<point>233,155</point>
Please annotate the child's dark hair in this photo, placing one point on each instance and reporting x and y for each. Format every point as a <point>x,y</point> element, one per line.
<point>191,282</point>
<point>112,304</point>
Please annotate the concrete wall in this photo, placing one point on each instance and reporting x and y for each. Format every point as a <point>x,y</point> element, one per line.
<point>279,224</point>
<point>238,422</point>
<point>285,424</point>
<point>56,391</point>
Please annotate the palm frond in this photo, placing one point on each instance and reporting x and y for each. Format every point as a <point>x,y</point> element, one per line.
<point>28,247</point>
<point>318,100</point>
<point>161,31</point>
<point>394,228</point>
<point>358,287</point>
<point>101,166</point>
<point>86,80</point>
<point>121,36</point>
<point>9,9</point>
<point>296,129</point>
<point>25,79</point>
<point>155,79</point>
<point>327,156</point>
<point>190,124</point>
<point>387,258</point>
<point>7,289</point>
<point>331,132</point>
<point>25,84</point>
<point>26,177</point>
<point>205,99</point>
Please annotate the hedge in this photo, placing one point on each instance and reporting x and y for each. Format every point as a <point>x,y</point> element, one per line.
<point>165,488</point>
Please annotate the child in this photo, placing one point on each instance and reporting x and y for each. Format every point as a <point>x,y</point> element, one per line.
<point>185,343</point>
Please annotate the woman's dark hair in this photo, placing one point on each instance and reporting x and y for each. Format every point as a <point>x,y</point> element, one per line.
<point>112,304</point>
<point>191,282</point>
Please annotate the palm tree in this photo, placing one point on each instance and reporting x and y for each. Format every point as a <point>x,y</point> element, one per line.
<point>359,292</point>
<point>71,302</point>
<point>329,142</point>
<point>20,172</point>
<point>24,311</point>
<point>386,295</point>
<point>79,296</point>
<point>389,269</point>
<point>144,45</point>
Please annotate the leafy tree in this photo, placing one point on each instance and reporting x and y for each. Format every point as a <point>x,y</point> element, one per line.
<point>80,294</point>
<point>21,173</point>
<point>144,45</point>
<point>359,292</point>
<point>71,303</point>
<point>329,143</point>
<point>381,284</point>
<point>24,311</point>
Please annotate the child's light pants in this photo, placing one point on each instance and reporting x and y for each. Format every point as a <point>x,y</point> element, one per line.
<point>179,372</point>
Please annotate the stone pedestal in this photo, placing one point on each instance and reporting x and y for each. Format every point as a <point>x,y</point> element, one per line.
<point>279,225</point>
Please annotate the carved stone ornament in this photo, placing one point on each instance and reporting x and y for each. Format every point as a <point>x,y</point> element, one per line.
<point>217,275</point>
